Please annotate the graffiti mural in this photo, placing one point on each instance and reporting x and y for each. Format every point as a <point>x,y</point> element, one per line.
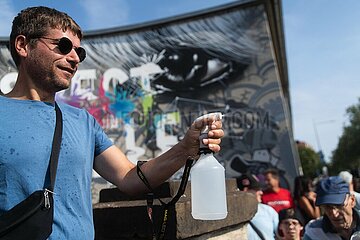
<point>145,86</point>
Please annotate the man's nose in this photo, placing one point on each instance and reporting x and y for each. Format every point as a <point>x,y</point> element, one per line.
<point>334,212</point>
<point>292,226</point>
<point>73,56</point>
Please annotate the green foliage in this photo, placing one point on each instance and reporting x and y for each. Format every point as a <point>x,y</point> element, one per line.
<point>310,161</point>
<point>347,153</point>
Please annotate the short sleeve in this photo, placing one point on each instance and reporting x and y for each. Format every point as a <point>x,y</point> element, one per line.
<point>102,141</point>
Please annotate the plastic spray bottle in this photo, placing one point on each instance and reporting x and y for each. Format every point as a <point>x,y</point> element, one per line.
<point>208,190</point>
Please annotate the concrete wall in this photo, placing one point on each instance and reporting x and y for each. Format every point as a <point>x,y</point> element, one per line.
<point>127,219</point>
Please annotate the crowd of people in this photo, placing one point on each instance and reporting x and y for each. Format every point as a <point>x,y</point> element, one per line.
<point>328,209</point>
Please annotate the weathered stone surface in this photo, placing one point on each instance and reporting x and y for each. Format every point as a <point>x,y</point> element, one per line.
<point>230,233</point>
<point>129,220</point>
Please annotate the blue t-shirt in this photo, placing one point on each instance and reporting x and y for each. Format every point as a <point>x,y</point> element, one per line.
<point>266,220</point>
<point>26,133</point>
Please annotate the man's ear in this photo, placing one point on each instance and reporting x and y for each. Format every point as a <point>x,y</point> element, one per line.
<point>21,45</point>
<point>302,230</point>
<point>352,200</point>
<point>280,232</point>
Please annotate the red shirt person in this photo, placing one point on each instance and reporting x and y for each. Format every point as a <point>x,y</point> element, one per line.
<point>275,196</point>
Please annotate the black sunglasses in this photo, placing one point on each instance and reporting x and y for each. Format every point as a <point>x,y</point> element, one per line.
<point>65,46</point>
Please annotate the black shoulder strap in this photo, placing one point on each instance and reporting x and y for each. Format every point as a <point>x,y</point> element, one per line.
<point>55,151</point>
<point>258,232</point>
<point>150,196</point>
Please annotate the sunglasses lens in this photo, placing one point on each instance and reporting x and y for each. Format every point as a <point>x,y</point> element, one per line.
<point>65,45</point>
<point>81,53</point>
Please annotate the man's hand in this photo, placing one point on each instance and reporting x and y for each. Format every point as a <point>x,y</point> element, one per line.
<point>191,141</point>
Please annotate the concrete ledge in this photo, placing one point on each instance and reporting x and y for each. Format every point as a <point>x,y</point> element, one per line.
<point>129,220</point>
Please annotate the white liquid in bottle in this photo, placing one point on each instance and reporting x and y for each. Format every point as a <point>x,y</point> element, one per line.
<point>208,189</point>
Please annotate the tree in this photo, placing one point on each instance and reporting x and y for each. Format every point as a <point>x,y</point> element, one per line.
<point>347,153</point>
<point>310,160</point>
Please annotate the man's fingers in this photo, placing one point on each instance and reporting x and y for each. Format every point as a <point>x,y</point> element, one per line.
<point>218,133</point>
<point>216,125</point>
<point>214,147</point>
<point>213,141</point>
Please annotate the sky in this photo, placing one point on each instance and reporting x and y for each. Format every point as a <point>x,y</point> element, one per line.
<point>322,40</point>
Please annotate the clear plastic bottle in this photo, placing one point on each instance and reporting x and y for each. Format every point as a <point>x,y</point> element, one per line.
<point>208,189</point>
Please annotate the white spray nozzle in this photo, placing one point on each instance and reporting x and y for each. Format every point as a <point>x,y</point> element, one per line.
<point>215,115</point>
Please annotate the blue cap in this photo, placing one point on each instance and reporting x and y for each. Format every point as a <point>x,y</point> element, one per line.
<point>331,190</point>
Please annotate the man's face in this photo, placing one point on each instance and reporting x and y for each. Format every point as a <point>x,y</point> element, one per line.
<point>271,182</point>
<point>47,68</point>
<point>340,216</point>
<point>290,228</point>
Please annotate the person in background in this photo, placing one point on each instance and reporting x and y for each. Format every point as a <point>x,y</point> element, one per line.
<point>348,178</point>
<point>275,196</point>
<point>304,199</point>
<point>46,47</point>
<point>290,224</point>
<point>340,220</point>
<point>265,222</point>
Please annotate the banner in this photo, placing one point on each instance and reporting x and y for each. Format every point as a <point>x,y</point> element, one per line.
<point>145,85</point>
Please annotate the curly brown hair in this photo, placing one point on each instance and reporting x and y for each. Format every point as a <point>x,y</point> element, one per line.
<point>34,22</point>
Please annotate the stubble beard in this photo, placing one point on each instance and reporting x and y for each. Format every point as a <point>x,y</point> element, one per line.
<point>47,79</point>
<point>57,83</point>
<point>343,226</point>
<point>51,83</point>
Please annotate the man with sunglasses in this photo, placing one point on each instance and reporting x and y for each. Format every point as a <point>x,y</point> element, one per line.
<point>45,46</point>
<point>340,220</point>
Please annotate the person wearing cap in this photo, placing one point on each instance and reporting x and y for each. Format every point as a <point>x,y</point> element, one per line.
<point>340,220</point>
<point>291,224</point>
<point>348,177</point>
<point>265,222</point>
